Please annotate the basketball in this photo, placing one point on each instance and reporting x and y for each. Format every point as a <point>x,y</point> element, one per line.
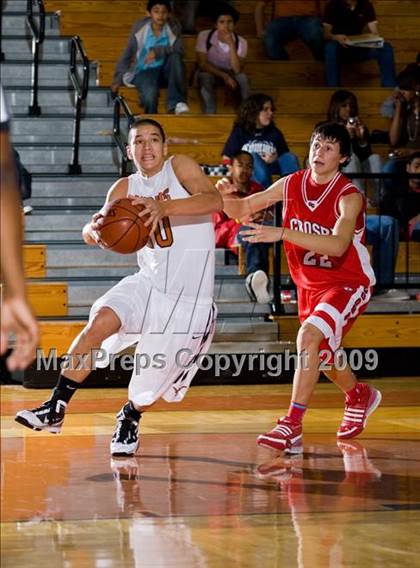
<point>121,229</point>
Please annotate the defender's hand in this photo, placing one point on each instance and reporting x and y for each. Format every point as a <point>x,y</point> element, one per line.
<point>262,234</point>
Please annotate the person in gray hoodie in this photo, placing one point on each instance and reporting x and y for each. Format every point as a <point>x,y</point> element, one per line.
<point>154,58</point>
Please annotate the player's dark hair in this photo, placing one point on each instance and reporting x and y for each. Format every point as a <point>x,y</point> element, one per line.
<point>141,121</point>
<point>241,153</point>
<point>336,133</point>
<point>336,102</point>
<point>152,3</point>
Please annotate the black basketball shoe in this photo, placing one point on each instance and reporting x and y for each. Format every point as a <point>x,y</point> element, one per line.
<point>49,416</point>
<point>125,440</point>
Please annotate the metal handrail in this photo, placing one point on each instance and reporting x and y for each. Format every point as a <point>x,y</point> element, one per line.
<point>2,56</point>
<point>277,306</point>
<point>38,35</point>
<point>121,104</point>
<point>81,89</point>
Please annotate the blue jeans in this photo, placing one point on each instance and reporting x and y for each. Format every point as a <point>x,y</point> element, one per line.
<point>415,235</point>
<point>372,164</point>
<point>285,164</point>
<point>207,83</point>
<point>393,166</point>
<point>256,254</point>
<point>148,82</point>
<point>282,30</point>
<point>382,232</point>
<point>335,54</point>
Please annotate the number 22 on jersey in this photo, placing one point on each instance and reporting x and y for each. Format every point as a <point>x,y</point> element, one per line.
<point>312,258</point>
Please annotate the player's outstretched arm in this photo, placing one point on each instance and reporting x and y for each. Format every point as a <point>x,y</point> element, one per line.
<point>243,208</point>
<point>331,245</point>
<point>204,198</point>
<point>117,191</point>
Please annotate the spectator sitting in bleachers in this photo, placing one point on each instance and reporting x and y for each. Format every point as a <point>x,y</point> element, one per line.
<point>344,19</point>
<point>403,202</point>
<point>404,132</point>
<point>382,232</point>
<point>153,58</point>
<point>344,109</point>
<point>303,23</point>
<point>240,184</point>
<point>255,132</point>
<point>220,57</point>
<point>405,81</point>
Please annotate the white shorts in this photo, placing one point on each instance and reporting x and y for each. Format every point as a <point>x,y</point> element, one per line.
<point>170,335</point>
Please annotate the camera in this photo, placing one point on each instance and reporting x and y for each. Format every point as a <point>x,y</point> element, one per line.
<point>353,120</point>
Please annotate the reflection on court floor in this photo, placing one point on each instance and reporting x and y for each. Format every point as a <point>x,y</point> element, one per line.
<point>201,493</point>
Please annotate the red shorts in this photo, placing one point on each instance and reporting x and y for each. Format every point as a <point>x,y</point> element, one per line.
<point>333,311</point>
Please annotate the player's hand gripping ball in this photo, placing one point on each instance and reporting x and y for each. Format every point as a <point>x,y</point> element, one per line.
<point>120,228</point>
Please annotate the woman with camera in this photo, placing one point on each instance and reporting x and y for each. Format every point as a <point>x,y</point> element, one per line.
<point>381,230</point>
<point>344,109</point>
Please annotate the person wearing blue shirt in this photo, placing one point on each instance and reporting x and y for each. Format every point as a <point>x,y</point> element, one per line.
<point>255,132</point>
<point>154,58</point>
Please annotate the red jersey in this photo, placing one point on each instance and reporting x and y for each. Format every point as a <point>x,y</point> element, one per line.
<point>226,229</point>
<point>314,209</point>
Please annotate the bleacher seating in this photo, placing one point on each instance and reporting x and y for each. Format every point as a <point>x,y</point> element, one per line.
<point>297,87</point>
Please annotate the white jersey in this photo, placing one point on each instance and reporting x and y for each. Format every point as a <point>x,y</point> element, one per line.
<point>179,259</point>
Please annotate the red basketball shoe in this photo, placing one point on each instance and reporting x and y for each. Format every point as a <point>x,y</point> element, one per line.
<point>286,436</point>
<point>356,412</point>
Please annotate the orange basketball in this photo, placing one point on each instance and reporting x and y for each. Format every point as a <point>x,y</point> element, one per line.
<point>121,229</point>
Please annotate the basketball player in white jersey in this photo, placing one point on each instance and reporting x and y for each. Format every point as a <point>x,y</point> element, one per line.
<point>166,307</point>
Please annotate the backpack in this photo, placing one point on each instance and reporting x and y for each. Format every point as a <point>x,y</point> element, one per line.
<point>211,34</point>
<point>194,70</point>
<point>24,178</point>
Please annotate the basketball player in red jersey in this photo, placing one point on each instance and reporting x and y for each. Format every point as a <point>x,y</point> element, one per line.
<point>323,231</point>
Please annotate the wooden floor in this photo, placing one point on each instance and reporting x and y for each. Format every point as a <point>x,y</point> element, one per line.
<point>202,494</point>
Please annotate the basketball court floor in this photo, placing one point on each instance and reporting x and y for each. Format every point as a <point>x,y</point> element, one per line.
<point>200,493</point>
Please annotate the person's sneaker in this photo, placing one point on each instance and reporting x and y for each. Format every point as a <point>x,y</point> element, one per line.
<point>181,108</point>
<point>49,416</point>
<point>286,436</point>
<point>256,285</point>
<point>125,439</point>
<point>358,411</point>
<point>27,209</point>
<point>391,295</point>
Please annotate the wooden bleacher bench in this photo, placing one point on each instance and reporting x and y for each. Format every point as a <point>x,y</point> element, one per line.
<point>98,49</point>
<point>48,298</point>
<point>288,101</point>
<point>58,335</point>
<point>267,74</point>
<point>34,261</point>
<point>397,19</point>
<point>217,127</point>
<point>369,331</point>
<point>93,20</point>
<point>400,267</point>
